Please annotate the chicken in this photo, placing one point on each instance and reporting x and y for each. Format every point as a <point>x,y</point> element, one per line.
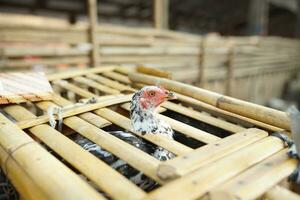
<point>144,120</point>
<point>294,150</point>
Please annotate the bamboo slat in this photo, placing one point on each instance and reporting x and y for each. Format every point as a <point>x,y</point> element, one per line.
<point>74,111</point>
<point>118,77</point>
<point>209,176</point>
<point>93,168</point>
<point>76,89</point>
<point>128,153</point>
<point>191,161</point>
<point>95,85</point>
<point>153,72</point>
<point>245,121</point>
<point>278,193</point>
<point>203,117</point>
<point>111,83</point>
<point>40,164</point>
<point>24,185</point>
<point>258,179</point>
<point>190,131</point>
<point>21,87</point>
<point>253,111</point>
<point>69,74</point>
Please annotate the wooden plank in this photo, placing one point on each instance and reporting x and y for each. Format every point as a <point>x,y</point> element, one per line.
<point>40,164</point>
<point>191,161</point>
<point>198,183</point>
<point>254,182</point>
<point>24,86</point>
<point>96,170</point>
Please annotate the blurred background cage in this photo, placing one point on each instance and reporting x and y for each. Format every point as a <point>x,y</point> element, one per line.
<point>256,59</point>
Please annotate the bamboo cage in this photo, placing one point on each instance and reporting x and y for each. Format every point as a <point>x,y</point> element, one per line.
<point>233,155</point>
<point>259,66</point>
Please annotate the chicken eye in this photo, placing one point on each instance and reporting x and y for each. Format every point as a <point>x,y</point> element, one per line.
<point>151,93</point>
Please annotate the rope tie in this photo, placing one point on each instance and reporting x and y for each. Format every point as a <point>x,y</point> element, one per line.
<point>57,111</point>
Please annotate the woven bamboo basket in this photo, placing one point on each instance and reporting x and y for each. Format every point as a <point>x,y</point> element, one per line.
<point>224,149</point>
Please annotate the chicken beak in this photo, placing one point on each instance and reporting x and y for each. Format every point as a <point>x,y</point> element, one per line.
<point>171,96</point>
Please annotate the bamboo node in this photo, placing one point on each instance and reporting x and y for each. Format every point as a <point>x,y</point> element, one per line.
<point>166,172</point>
<point>9,155</point>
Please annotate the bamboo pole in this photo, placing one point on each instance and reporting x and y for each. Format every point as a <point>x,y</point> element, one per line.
<point>96,170</point>
<point>20,180</point>
<point>188,130</point>
<point>230,70</point>
<point>233,128</point>
<point>135,157</point>
<point>180,166</point>
<point>201,78</point>
<point>250,110</point>
<point>254,182</point>
<point>198,183</point>
<point>62,184</point>
<point>108,82</point>
<point>74,111</point>
<point>93,22</point>
<point>279,193</point>
<point>70,74</point>
<point>197,115</point>
<point>244,121</point>
<point>96,85</point>
<point>118,77</point>
<point>161,14</point>
<point>74,88</point>
<point>154,72</point>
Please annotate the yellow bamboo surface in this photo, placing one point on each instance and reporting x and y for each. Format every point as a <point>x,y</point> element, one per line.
<point>55,179</point>
<point>214,169</point>
<point>93,168</point>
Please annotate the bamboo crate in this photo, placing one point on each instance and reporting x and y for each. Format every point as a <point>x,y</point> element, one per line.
<point>229,153</point>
